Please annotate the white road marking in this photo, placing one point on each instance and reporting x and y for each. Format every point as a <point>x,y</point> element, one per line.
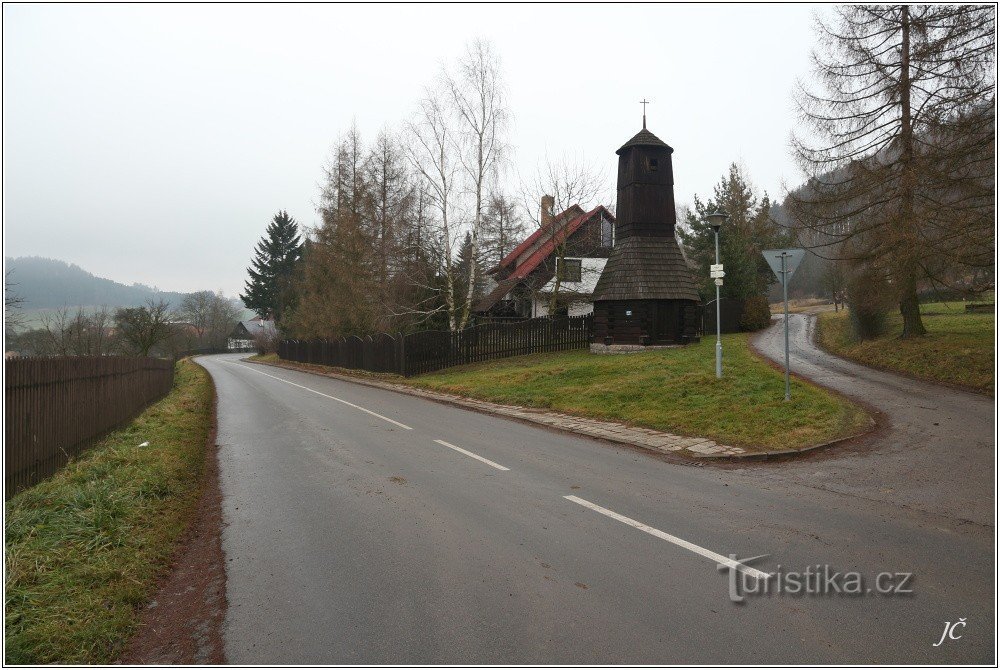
<point>718,558</point>
<point>472,455</point>
<point>349,404</point>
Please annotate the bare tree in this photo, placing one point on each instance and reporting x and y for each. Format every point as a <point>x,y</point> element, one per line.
<point>212,315</point>
<point>142,328</point>
<point>503,228</point>
<point>569,181</point>
<point>12,303</point>
<point>431,151</point>
<point>69,333</point>
<point>901,175</point>
<point>479,99</point>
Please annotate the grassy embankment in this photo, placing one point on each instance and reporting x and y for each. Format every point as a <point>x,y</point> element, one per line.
<point>85,548</point>
<point>958,347</point>
<point>674,390</point>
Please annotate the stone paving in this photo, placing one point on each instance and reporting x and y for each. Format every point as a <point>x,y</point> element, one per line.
<point>647,438</point>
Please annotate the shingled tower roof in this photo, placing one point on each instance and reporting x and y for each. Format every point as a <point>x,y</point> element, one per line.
<point>644,138</point>
<point>647,268</point>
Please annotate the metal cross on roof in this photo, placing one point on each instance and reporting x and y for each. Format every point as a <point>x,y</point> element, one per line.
<point>644,102</point>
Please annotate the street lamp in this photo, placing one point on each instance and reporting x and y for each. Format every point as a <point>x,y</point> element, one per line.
<point>715,220</point>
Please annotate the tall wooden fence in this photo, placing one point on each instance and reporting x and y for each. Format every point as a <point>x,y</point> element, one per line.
<point>56,407</point>
<point>431,350</point>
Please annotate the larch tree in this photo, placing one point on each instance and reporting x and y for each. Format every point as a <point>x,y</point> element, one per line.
<point>503,229</point>
<point>900,144</point>
<point>277,252</point>
<point>337,288</point>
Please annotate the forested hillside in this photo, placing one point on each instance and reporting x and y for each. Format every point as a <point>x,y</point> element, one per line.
<point>48,283</point>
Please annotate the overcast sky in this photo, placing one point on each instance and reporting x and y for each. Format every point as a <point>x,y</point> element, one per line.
<point>153,143</point>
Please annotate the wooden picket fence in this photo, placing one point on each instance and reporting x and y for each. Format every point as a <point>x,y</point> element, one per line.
<point>417,353</point>
<point>57,407</point>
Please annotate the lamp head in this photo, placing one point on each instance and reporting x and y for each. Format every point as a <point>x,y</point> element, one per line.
<point>716,219</point>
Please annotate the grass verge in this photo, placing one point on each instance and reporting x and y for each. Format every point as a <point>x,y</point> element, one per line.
<point>673,390</point>
<point>84,549</point>
<point>957,350</point>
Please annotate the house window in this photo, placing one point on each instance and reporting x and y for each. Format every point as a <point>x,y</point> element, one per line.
<point>570,269</point>
<point>653,164</point>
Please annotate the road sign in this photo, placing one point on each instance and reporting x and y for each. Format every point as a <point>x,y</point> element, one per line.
<point>783,263</point>
<point>792,258</point>
<point>717,274</point>
<point>718,282</point>
<point>715,267</point>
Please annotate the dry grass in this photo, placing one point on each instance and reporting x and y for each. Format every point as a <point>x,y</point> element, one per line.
<point>84,548</point>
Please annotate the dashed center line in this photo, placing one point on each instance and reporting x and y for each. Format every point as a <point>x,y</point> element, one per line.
<point>690,546</point>
<point>472,455</point>
<point>349,404</point>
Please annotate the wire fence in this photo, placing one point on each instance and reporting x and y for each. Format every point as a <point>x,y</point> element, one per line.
<point>55,408</point>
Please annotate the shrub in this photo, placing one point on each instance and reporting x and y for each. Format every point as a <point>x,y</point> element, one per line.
<point>756,313</point>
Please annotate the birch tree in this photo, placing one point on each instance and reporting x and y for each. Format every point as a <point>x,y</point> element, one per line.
<point>478,98</point>
<point>432,153</point>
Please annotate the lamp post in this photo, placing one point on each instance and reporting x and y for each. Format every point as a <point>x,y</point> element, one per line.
<point>715,220</point>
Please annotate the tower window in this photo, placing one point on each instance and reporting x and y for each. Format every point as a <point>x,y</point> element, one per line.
<point>653,164</point>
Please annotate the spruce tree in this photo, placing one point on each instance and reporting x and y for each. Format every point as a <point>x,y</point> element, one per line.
<point>748,231</point>
<point>277,252</point>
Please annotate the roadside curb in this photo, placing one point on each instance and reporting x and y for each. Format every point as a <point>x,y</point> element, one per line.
<point>695,449</point>
<point>765,455</point>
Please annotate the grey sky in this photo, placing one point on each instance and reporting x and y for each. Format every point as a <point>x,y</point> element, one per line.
<point>153,143</point>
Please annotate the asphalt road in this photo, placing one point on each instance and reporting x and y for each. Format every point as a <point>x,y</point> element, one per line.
<point>934,451</point>
<point>366,526</point>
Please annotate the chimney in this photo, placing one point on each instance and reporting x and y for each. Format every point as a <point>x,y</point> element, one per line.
<point>547,215</point>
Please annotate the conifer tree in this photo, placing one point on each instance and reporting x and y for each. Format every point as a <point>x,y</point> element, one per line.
<point>267,289</point>
<point>748,231</point>
<point>900,144</point>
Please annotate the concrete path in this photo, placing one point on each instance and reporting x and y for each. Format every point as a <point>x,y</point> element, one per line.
<point>367,526</point>
<point>934,452</point>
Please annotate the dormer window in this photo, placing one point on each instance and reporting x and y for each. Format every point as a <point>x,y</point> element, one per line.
<point>570,269</point>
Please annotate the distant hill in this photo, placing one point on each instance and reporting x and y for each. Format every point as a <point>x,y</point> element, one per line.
<point>48,283</point>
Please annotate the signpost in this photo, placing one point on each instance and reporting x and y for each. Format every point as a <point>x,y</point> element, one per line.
<point>717,273</point>
<point>784,263</point>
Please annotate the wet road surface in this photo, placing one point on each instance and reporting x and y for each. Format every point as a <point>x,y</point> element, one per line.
<point>366,526</point>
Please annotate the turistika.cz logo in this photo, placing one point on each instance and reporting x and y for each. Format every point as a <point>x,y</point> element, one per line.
<point>814,580</point>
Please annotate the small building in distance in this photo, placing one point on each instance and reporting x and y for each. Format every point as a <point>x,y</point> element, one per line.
<point>245,334</point>
<point>575,243</point>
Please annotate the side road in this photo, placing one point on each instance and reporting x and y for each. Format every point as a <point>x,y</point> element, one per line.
<point>935,446</point>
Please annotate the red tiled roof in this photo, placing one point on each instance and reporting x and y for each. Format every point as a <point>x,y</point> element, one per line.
<point>542,252</point>
<point>531,239</point>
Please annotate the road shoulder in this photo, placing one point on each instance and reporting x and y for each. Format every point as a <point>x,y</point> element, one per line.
<point>182,624</point>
